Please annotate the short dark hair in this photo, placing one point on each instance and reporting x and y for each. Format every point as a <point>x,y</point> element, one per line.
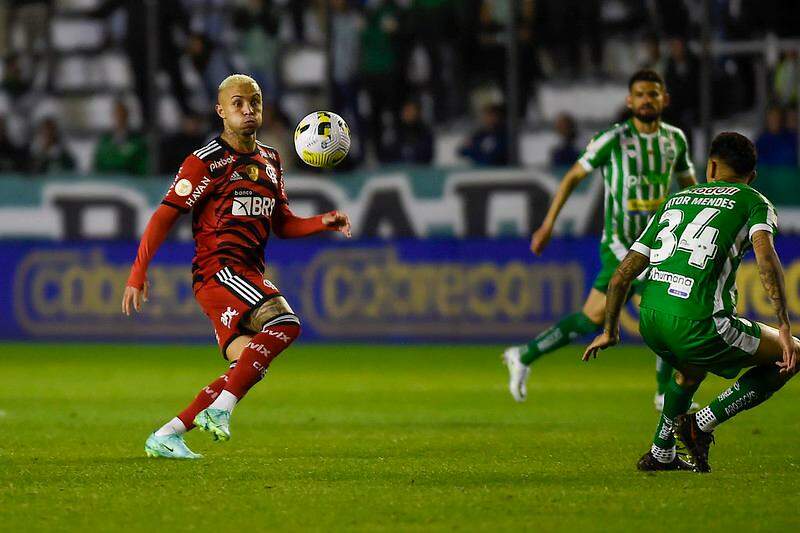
<point>736,151</point>
<point>646,75</point>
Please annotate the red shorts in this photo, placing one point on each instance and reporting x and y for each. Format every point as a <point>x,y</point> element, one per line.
<point>229,298</point>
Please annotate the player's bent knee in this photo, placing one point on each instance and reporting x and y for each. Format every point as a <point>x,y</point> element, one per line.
<point>273,311</point>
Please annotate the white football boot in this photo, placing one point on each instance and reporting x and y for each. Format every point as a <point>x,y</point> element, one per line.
<point>517,373</point>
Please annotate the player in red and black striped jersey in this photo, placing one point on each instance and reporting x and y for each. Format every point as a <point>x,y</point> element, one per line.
<point>235,190</point>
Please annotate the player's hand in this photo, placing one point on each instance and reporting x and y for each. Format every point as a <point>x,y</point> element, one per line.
<point>789,348</point>
<point>601,342</point>
<point>133,297</point>
<point>540,238</point>
<point>338,220</point>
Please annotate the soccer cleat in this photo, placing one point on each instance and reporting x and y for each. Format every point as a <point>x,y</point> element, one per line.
<point>169,446</point>
<point>215,421</point>
<point>517,373</point>
<point>658,402</point>
<point>696,440</point>
<point>648,463</point>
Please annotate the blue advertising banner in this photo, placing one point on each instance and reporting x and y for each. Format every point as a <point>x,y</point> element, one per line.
<point>398,291</point>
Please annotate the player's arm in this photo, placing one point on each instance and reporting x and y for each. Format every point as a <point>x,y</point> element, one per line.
<point>287,225</point>
<point>771,273</point>
<point>158,228</point>
<point>634,264</point>
<point>576,174</point>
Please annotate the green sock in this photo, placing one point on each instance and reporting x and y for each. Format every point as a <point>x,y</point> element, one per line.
<point>663,374</point>
<point>569,328</point>
<point>676,402</point>
<point>754,387</point>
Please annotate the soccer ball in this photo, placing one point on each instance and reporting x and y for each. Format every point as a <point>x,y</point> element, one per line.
<point>322,139</point>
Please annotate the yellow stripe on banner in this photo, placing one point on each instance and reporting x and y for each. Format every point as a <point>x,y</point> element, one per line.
<point>637,204</point>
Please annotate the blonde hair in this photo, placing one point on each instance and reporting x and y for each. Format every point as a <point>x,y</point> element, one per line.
<point>236,79</point>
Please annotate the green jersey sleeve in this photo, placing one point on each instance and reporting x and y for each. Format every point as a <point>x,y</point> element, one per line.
<point>598,151</point>
<point>683,162</point>
<point>762,217</point>
<point>648,235</point>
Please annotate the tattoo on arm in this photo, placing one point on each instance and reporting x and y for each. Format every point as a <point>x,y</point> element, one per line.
<point>633,265</point>
<point>771,274</point>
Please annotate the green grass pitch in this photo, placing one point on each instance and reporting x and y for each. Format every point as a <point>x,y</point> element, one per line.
<point>374,438</point>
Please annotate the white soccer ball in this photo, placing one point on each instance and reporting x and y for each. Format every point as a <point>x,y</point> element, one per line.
<point>322,139</point>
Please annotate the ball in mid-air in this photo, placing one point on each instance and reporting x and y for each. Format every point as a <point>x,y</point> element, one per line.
<point>322,139</point>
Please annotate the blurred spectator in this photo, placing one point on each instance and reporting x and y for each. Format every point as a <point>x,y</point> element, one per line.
<point>49,154</point>
<point>379,67</point>
<point>211,64</point>
<point>121,151</point>
<point>192,135</point>
<point>786,79</point>
<point>488,146</point>
<point>776,145</point>
<point>682,78</point>
<point>15,83</point>
<point>277,133</point>
<point>257,22</point>
<point>346,25</point>
<point>564,154</point>
<point>650,51</point>
<point>170,16</point>
<point>411,142</point>
<point>12,157</point>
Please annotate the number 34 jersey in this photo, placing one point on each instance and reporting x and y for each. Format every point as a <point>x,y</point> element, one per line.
<point>695,242</point>
<point>235,199</point>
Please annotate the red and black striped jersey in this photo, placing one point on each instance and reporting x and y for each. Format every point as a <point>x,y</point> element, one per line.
<point>235,199</point>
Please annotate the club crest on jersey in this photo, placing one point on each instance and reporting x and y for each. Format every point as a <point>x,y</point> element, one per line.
<point>252,172</point>
<point>271,174</point>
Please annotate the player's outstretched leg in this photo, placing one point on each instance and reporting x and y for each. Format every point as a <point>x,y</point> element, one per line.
<point>663,454</point>
<point>162,442</point>
<point>753,388</point>
<point>519,358</point>
<point>663,376</point>
<point>250,368</point>
<point>169,446</point>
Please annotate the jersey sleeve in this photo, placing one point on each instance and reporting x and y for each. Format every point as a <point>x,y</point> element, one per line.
<point>683,163</point>
<point>190,186</point>
<point>762,217</point>
<point>282,197</point>
<point>598,151</point>
<point>645,241</point>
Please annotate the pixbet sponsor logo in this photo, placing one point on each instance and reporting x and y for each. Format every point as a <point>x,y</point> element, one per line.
<point>260,348</point>
<point>219,163</point>
<point>281,336</point>
<point>227,316</point>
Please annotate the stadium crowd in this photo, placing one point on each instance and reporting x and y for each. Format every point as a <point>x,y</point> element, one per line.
<point>398,67</point>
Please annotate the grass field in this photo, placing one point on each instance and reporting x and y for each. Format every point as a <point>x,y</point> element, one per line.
<point>373,438</point>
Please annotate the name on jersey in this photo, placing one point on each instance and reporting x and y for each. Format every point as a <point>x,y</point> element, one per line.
<point>725,203</point>
<point>247,204</point>
<point>219,163</point>
<point>197,191</point>
<point>680,286</point>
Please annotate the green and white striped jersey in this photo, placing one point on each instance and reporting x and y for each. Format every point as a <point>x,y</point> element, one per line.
<point>637,169</point>
<point>695,243</point>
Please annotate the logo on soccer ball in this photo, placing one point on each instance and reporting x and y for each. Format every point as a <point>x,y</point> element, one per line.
<point>183,187</point>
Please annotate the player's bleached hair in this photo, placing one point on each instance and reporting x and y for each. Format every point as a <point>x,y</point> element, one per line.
<point>236,79</point>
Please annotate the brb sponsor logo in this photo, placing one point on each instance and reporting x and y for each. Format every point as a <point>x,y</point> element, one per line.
<point>680,286</point>
<point>219,163</point>
<point>247,204</point>
<point>227,316</point>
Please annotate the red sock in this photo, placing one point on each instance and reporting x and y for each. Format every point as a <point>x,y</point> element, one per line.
<point>204,399</point>
<point>257,355</point>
